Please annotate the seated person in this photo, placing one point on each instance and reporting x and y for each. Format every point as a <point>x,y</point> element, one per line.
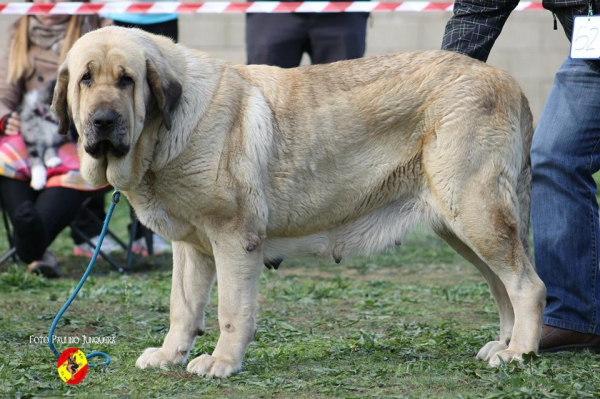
<point>39,208</point>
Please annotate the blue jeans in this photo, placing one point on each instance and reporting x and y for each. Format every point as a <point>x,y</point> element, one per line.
<point>564,211</point>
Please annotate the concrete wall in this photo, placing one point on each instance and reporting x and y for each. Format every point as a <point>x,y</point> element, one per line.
<point>529,48</point>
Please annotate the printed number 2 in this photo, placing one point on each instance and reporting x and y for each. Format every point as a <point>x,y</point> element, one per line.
<point>587,43</point>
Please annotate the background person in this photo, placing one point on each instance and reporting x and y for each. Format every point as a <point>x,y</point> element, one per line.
<point>282,39</point>
<point>159,24</point>
<point>36,46</point>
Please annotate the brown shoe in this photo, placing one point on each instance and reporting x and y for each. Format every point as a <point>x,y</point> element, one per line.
<point>47,266</point>
<point>556,339</point>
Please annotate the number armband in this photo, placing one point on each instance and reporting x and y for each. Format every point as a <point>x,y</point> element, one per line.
<point>585,43</point>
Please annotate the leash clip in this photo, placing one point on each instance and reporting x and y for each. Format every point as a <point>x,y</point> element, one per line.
<point>116,196</point>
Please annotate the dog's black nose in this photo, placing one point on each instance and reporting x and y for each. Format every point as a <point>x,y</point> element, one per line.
<point>105,134</point>
<point>104,119</point>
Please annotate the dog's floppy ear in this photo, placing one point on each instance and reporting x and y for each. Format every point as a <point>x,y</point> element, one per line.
<point>165,87</point>
<point>59,102</point>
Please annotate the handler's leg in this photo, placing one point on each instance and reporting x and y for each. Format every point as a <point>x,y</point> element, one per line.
<point>239,262</point>
<point>565,155</point>
<point>193,277</point>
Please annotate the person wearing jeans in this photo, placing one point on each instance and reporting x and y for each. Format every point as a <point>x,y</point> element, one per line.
<point>564,211</point>
<point>565,154</point>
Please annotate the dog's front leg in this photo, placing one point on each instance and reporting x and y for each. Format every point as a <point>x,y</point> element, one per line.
<point>239,261</point>
<point>193,277</point>
<point>51,158</point>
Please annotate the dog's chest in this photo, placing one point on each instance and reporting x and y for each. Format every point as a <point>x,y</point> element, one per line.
<point>166,211</point>
<point>153,213</point>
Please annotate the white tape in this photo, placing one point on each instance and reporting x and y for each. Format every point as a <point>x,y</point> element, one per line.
<point>218,7</point>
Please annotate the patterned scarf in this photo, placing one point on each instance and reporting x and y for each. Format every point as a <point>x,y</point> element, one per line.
<point>47,37</point>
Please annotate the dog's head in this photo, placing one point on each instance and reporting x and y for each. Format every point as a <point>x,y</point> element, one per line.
<point>114,82</point>
<point>36,103</point>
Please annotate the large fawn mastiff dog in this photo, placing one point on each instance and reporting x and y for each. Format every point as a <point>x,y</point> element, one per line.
<point>242,166</point>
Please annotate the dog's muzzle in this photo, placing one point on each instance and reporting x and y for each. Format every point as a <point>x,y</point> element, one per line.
<point>106,133</point>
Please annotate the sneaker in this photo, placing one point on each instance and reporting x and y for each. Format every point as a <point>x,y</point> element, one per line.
<point>109,246</point>
<point>47,266</point>
<point>159,246</point>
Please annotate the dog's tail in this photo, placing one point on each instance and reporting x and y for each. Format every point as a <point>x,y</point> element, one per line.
<point>524,179</point>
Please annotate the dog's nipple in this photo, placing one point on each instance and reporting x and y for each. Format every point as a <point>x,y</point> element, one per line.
<point>253,242</point>
<point>251,247</point>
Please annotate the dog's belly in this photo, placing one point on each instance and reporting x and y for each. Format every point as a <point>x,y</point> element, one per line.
<point>328,200</point>
<point>369,233</point>
<point>305,217</point>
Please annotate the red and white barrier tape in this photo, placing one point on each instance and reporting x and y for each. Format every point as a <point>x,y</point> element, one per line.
<point>218,7</point>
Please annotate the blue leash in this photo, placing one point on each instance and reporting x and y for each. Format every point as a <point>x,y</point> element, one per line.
<point>115,200</point>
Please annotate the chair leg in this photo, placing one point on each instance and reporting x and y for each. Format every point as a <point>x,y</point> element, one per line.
<point>12,253</point>
<point>9,236</point>
<point>135,223</point>
<point>149,237</point>
<point>108,258</point>
<point>147,234</point>
<point>104,255</point>
<point>98,220</point>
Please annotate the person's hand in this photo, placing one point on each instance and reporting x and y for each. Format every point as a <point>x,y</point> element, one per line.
<point>13,124</point>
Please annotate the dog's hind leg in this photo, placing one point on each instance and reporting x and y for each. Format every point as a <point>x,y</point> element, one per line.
<point>193,277</point>
<point>485,218</point>
<point>507,316</point>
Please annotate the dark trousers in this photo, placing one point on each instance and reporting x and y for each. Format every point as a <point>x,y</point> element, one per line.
<point>38,216</point>
<point>281,39</point>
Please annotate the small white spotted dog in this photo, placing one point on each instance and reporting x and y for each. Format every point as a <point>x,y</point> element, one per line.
<point>39,129</point>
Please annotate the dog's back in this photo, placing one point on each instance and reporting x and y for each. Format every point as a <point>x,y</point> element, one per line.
<point>381,127</point>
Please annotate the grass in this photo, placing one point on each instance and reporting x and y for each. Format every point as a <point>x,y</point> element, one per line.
<point>405,324</point>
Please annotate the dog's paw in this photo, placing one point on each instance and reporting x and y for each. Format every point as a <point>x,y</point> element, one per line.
<point>213,366</point>
<point>490,349</point>
<point>38,177</point>
<point>38,185</point>
<point>53,162</point>
<point>505,357</point>
<point>156,357</point>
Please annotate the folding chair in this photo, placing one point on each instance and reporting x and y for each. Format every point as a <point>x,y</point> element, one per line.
<point>11,253</point>
<point>87,239</point>
<point>135,226</point>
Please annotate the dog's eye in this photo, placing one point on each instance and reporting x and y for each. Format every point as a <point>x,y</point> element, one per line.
<point>125,81</point>
<point>87,79</point>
